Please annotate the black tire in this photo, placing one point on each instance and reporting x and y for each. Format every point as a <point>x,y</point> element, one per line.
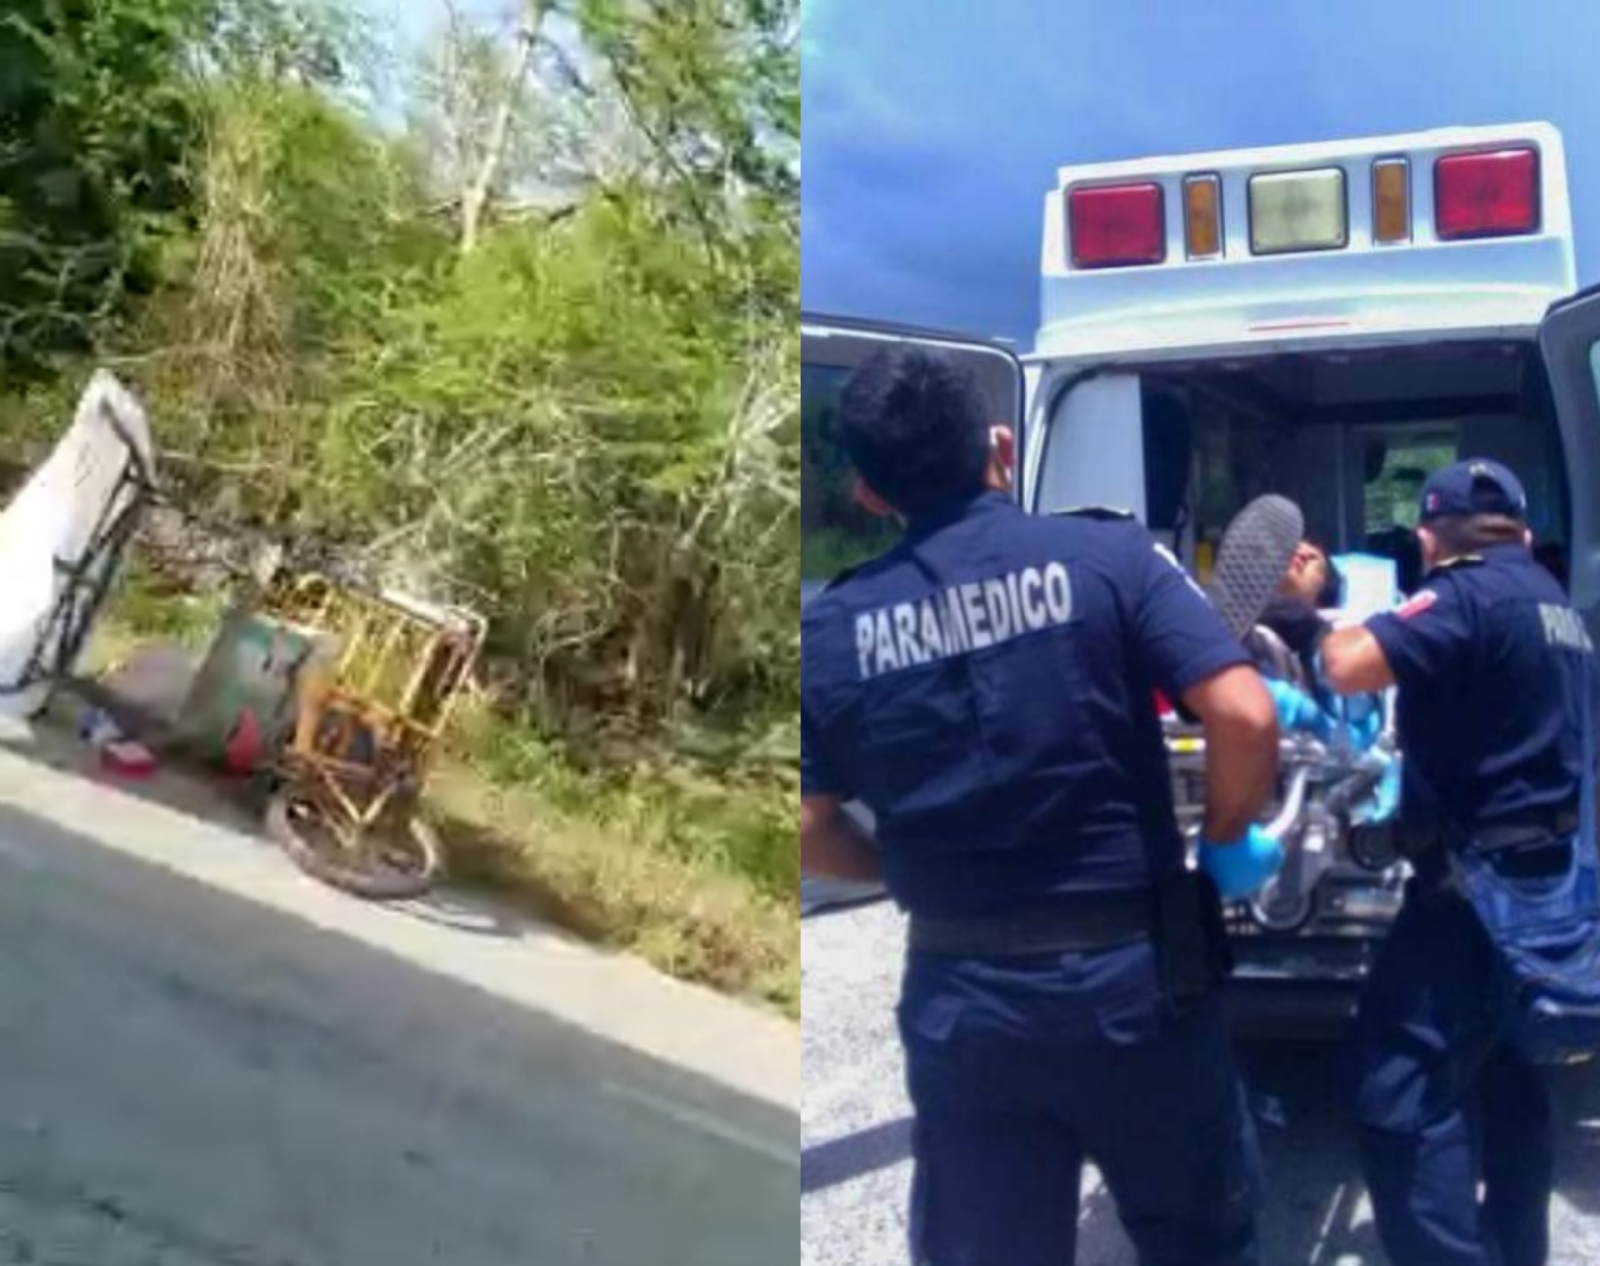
<point>291,823</point>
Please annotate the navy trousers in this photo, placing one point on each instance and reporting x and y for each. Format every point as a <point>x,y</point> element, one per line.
<point>1020,1069</point>
<point>1443,1104</point>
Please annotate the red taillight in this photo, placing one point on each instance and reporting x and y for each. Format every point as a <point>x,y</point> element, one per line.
<point>1119,224</point>
<point>1486,195</point>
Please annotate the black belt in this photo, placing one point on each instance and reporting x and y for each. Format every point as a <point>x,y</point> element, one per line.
<point>1507,832</point>
<point>1092,921</point>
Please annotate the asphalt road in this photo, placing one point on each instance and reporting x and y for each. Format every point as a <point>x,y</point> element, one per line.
<point>188,1077</point>
<point>855,1138</point>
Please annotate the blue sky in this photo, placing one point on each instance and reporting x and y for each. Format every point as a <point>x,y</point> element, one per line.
<point>933,130</point>
<point>405,26</point>
<point>410,21</point>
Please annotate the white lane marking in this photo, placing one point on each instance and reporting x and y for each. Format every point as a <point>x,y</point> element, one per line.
<point>706,1123</point>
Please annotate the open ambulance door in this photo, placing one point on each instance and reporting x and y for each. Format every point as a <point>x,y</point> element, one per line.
<point>843,343</point>
<point>835,533</point>
<point>1569,338</point>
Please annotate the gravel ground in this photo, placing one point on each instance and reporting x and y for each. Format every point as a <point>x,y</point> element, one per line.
<point>854,1170</point>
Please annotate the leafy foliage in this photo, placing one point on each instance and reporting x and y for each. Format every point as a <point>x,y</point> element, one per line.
<point>96,121</point>
<point>587,425</point>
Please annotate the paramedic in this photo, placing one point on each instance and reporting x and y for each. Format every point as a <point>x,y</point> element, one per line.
<point>1492,667</point>
<point>985,689</point>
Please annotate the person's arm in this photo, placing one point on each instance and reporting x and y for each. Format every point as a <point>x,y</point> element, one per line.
<point>832,843</point>
<point>1353,662</point>
<point>1241,728</point>
<point>1194,657</point>
<point>1424,639</point>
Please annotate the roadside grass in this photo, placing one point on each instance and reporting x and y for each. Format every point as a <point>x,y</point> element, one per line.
<point>690,872</point>
<point>689,863</point>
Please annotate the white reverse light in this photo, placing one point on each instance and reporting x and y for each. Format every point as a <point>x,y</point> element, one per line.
<point>1298,211</point>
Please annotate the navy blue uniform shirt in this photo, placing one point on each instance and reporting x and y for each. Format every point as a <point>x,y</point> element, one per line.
<point>1493,667</point>
<point>986,689</point>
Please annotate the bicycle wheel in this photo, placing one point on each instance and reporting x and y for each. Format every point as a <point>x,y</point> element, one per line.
<point>397,859</point>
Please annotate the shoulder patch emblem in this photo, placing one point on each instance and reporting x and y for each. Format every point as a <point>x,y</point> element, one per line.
<point>1416,604</point>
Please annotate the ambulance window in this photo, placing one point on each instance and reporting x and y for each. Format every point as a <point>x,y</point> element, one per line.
<point>1394,487</point>
<point>1397,458</point>
<point>1235,460</point>
<point>835,533</point>
<point>1396,463</point>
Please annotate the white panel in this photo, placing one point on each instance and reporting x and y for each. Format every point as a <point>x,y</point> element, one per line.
<point>1094,449</point>
<point>1364,295</point>
<point>54,526</point>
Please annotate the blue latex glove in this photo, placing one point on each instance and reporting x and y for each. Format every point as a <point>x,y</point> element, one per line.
<point>1356,720</point>
<point>1365,725</point>
<point>1240,869</point>
<point>1320,674</point>
<point>1296,709</point>
<point>1360,709</point>
<point>1384,801</point>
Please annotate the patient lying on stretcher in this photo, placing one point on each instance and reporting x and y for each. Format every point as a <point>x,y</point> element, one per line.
<point>1285,642</point>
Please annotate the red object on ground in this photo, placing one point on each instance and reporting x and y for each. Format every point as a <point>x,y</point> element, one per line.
<point>243,749</point>
<point>130,759</point>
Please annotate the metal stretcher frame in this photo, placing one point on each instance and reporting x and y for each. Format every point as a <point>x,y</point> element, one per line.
<point>89,577</point>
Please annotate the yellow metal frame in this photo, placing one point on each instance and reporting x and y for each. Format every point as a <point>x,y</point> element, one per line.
<point>392,682</point>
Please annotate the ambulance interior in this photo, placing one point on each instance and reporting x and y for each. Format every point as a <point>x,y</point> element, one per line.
<point>1350,437</point>
<point>1348,434</point>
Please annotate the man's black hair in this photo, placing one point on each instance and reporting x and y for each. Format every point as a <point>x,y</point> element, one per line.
<point>914,425</point>
<point>1332,592</point>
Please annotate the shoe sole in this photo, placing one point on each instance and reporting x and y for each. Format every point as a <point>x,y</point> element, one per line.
<point>1254,555</point>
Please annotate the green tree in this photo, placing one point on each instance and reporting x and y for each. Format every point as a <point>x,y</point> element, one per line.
<point>579,413</point>
<point>588,424</point>
<point>97,119</point>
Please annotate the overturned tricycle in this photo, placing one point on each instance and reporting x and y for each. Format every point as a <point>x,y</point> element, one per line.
<point>335,695</point>
<point>371,700</point>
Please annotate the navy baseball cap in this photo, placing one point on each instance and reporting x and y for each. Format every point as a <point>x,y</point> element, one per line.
<point>1474,486</point>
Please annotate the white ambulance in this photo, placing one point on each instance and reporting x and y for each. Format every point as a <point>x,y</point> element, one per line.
<point>1331,322</point>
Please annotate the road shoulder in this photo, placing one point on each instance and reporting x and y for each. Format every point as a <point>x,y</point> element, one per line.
<point>468,939</point>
